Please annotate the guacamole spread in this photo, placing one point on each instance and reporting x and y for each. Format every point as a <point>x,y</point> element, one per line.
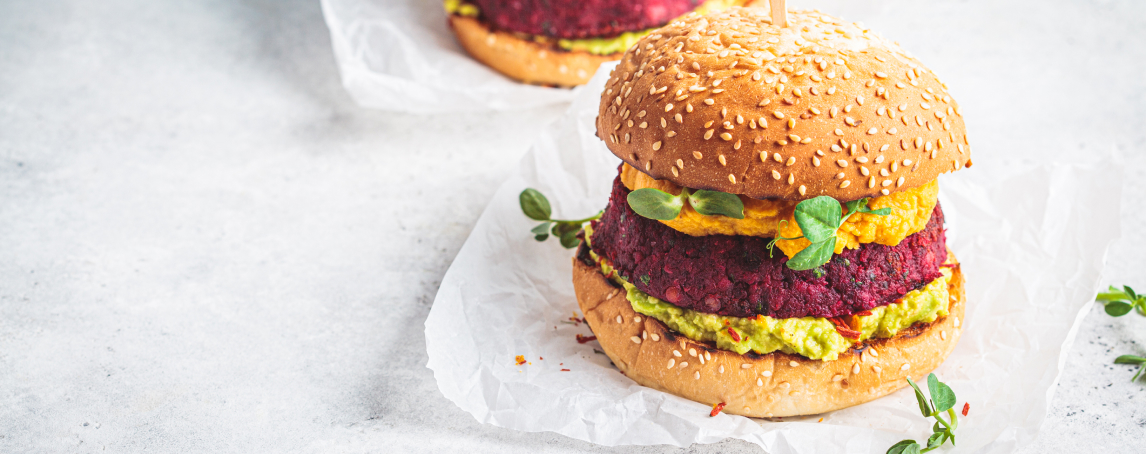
<point>811,337</point>
<point>596,46</point>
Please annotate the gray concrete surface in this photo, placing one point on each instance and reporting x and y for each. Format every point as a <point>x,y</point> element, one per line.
<point>207,247</point>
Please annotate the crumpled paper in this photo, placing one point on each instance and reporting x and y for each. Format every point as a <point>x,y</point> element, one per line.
<point>1031,238</point>
<point>400,55</point>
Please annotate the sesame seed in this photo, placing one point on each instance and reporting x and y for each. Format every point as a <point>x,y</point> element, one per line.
<point>831,90</point>
<point>803,190</point>
<point>839,132</point>
<point>845,184</point>
<point>726,136</point>
<point>708,134</point>
<point>697,155</point>
<point>635,339</point>
<point>870,181</point>
<point>873,352</point>
<point>918,142</point>
<point>656,337</point>
<point>683,364</point>
<point>619,319</point>
<point>877,369</point>
<point>672,362</point>
<point>884,192</point>
<point>732,178</point>
<point>759,382</point>
<point>905,366</point>
<point>864,171</point>
<point>927,146</point>
<point>675,173</point>
<point>656,145</point>
<point>668,107</point>
<point>859,100</point>
<point>745,366</point>
<point>883,172</point>
<point>872,131</point>
<point>886,183</point>
<point>707,356</point>
<point>688,107</point>
<point>842,163</point>
<point>956,322</point>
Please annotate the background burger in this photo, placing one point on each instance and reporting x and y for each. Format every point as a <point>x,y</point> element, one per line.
<point>560,42</point>
<point>773,243</point>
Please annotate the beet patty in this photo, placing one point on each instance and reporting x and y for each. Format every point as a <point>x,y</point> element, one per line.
<point>576,19</point>
<point>734,275</point>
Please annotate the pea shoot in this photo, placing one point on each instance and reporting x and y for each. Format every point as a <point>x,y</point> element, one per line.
<point>657,204</point>
<point>819,218</point>
<point>942,400</point>
<point>1120,301</point>
<point>536,206</point>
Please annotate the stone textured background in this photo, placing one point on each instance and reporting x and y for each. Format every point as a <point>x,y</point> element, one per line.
<point>206,246</point>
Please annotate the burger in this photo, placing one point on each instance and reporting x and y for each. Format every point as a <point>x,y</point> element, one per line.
<point>560,42</point>
<point>773,244</point>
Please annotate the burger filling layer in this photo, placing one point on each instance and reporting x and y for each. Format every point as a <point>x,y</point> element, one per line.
<point>910,212</point>
<point>811,337</point>
<point>739,276</point>
<point>600,39</point>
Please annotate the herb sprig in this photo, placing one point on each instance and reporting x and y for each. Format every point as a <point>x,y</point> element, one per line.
<point>819,218</point>
<point>535,205</point>
<point>942,399</point>
<point>656,204</point>
<point>1120,301</point>
<point>1133,360</point>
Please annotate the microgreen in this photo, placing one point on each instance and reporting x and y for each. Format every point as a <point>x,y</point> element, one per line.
<point>819,218</point>
<point>1135,360</point>
<point>942,400</point>
<point>657,204</point>
<point>536,206</point>
<point>1120,301</point>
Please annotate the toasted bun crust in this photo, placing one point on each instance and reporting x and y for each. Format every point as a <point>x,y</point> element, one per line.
<point>729,102</point>
<point>525,60</point>
<point>772,385</point>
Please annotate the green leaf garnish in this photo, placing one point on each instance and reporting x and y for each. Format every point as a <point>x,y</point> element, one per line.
<point>536,206</point>
<point>813,256</point>
<point>819,218</point>
<point>1120,301</point>
<point>904,447</point>
<point>1135,360</point>
<point>944,400</point>
<point>656,204</point>
<point>711,203</point>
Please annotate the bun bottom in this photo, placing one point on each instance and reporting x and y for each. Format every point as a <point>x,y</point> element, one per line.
<point>525,60</point>
<point>772,385</point>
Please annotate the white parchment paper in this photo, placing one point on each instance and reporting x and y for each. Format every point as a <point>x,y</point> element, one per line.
<point>1031,238</point>
<point>400,55</point>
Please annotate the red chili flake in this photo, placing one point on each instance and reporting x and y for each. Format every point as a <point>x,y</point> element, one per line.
<point>864,313</point>
<point>966,407</point>
<point>844,329</point>
<point>716,409</point>
<point>564,370</point>
<point>734,334</point>
<point>583,339</point>
<point>520,360</point>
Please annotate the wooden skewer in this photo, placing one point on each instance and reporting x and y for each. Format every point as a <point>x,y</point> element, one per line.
<point>779,13</point>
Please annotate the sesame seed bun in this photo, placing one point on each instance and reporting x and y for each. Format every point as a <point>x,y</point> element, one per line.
<point>729,102</point>
<point>772,385</point>
<point>523,59</point>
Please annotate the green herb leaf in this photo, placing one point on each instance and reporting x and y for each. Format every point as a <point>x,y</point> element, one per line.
<point>569,239</point>
<point>541,232</point>
<point>1130,292</point>
<point>924,406</point>
<point>936,439</point>
<point>1112,294</point>
<point>535,205</point>
<point>711,203</point>
<point>655,204</point>
<point>818,218</point>
<point>1129,359</point>
<point>813,256</point>
<point>903,447</point>
<point>1118,308</point>
<point>941,394</point>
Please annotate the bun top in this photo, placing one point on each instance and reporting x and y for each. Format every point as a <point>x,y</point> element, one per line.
<point>731,103</point>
